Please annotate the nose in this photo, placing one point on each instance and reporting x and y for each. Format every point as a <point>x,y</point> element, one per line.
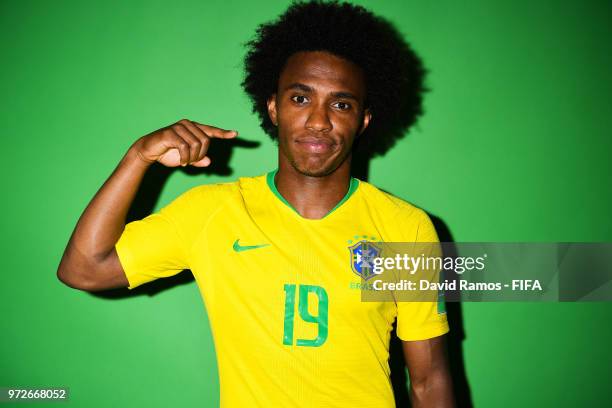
<point>318,119</point>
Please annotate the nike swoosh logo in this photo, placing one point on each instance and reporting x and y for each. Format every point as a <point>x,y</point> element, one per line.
<point>239,248</point>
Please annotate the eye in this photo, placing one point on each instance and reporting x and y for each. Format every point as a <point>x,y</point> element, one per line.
<point>299,99</point>
<point>342,105</point>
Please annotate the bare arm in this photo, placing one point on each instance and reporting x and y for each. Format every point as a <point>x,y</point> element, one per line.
<point>430,380</point>
<point>90,261</point>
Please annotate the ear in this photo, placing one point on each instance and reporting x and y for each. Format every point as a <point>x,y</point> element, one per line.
<point>272,109</point>
<point>367,117</point>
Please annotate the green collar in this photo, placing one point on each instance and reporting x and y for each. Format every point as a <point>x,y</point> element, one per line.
<point>354,183</point>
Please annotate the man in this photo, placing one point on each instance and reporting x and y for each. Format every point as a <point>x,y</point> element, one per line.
<point>270,253</point>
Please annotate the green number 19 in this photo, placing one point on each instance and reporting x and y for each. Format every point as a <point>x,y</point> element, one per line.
<point>321,319</point>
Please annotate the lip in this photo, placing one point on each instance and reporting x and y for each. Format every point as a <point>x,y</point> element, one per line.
<point>315,144</point>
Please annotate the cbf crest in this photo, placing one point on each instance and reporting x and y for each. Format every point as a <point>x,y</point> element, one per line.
<point>362,258</point>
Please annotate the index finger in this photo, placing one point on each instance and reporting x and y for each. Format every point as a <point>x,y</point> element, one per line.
<point>213,131</point>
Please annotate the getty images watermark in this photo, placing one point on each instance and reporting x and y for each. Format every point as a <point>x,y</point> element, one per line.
<point>396,271</point>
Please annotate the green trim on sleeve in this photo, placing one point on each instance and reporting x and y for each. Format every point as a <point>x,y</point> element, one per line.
<point>427,332</point>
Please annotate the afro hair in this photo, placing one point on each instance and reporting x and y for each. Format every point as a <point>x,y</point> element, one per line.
<point>394,73</point>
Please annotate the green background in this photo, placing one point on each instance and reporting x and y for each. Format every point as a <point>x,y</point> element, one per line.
<point>514,146</point>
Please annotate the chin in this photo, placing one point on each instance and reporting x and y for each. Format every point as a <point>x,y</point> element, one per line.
<point>317,169</point>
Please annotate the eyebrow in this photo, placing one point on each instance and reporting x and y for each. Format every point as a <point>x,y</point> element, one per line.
<point>305,88</point>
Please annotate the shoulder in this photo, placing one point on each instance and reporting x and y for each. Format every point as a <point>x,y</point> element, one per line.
<point>201,199</point>
<point>218,190</point>
<point>412,220</point>
<point>387,202</point>
<point>220,194</point>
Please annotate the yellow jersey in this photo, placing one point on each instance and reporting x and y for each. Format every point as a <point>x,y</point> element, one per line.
<point>282,297</point>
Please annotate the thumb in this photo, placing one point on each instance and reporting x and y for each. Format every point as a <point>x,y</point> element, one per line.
<point>204,162</point>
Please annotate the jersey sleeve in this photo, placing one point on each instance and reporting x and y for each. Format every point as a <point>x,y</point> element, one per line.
<point>158,245</point>
<point>421,320</point>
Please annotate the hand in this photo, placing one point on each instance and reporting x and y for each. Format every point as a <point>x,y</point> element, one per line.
<point>182,143</point>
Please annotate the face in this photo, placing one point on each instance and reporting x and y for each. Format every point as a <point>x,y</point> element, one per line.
<point>319,111</point>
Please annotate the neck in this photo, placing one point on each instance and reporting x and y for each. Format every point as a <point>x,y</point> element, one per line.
<point>312,197</point>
